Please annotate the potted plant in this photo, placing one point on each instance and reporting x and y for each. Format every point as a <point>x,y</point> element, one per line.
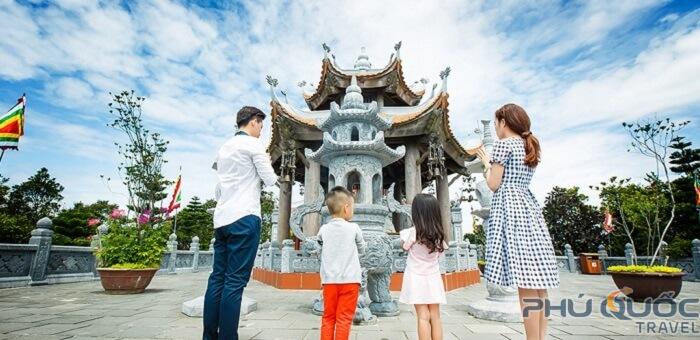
<point>641,283</point>
<point>482,265</point>
<point>652,208</point>
<point>130,249</point>
<point>129,252</point>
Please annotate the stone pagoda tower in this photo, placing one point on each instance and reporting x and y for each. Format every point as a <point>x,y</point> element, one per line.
<point>369,131</point>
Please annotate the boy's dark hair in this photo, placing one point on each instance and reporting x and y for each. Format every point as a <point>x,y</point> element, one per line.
<point>248,113</point>
<point>425,212</point>
<point>336,198</point>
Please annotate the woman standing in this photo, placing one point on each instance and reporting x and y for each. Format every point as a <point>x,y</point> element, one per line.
<point>519,250</point>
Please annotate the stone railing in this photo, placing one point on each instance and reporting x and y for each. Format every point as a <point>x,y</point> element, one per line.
<point>460,256</point>
<point>40,262</point>
<point>691,265</point>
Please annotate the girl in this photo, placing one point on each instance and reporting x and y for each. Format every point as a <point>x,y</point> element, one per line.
<point>422,283</point>
<point>519,249</point>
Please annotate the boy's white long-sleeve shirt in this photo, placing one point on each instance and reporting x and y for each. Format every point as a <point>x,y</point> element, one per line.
<point>340,259</point>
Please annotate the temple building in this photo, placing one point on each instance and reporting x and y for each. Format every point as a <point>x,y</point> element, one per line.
<point>408,136</point>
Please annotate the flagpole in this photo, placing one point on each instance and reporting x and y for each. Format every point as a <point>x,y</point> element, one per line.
<point>2,154</point>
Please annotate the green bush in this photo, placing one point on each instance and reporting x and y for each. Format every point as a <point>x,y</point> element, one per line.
<point>127,243</point>
<point>679,248</point>
<point>15,229</point>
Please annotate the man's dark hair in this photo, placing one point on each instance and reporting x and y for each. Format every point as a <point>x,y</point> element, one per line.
<point>248,113</point>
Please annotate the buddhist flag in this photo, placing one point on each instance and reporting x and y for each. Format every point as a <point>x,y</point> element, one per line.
<point>12,125</point>
<point>608,223</point>
<point>177,195</point>
<point>697,192</point>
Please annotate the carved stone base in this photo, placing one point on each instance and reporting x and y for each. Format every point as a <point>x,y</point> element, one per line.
<point>390,308</point>
<point>195,307</point>
<point>501,305</point>
<point>363,315</point>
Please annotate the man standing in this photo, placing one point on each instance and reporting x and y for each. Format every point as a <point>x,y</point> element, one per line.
<point>242,164</point>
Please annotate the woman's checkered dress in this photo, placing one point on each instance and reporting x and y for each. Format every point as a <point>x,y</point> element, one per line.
<point>519,249</point>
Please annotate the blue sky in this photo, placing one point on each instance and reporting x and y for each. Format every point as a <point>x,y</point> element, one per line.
<point>579,68</point>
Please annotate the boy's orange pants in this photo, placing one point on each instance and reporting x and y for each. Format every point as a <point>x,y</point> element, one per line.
<point>339,301</point>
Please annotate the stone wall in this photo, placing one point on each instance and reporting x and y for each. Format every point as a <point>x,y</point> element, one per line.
<point>40,262</point>
<point>691,265</point>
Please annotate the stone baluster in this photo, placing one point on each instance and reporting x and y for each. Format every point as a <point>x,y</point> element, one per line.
<point>287,256</point>
<point>194,247</point>
<point>473,256</point>
<point>602,254</point>
<point>570,258</point>
<point>629,254</point>
<point>172,246</point>
<point>41,237</point>
<point>464,255</point>
<point>211,244</point>
<point>453,266</point>
<point>696,258</point>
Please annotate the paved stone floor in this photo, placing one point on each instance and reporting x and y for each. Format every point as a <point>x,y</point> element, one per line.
<point>83,311</point>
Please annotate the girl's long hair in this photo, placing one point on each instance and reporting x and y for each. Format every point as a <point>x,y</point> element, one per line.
<point>517,120</point>
<point>425,212</point>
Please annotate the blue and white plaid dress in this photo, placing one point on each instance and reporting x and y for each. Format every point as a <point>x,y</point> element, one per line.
<point>519,249</point>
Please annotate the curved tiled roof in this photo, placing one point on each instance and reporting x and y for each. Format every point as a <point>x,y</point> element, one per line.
<point>328,68</point>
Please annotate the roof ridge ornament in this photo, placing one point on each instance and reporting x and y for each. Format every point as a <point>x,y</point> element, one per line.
<point>443,75</point>
<point>273,83</point>
<point>326,50</point>
<point>397,48</point>
<point>362,62</point>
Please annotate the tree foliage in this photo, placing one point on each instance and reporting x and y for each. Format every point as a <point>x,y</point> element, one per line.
<point>653,139</point>
<point>571,220</point>
<point>142,155</point>
<point>71,225</point>
<point>267,204</point>
<point>194,220</point>
<point>37,197</point>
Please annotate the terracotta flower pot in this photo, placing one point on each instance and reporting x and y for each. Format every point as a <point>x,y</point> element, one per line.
<point>648,285</point>
<point>126,281</point>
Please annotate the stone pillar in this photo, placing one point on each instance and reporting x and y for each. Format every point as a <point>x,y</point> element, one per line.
<point>696,258</point>
<point>312,181</point>
<point>287,256</point>
<point>41,237</point>
<point>443,196</point>
<point>275,222</point>
<point>663,250</point>
<point>194,247</point>
<point>629,254</point>
<point>172,260</point>
<point>456,214</point>
<point>602,254</point>
<point>211,244</point>
<point>285,209</point>
<point>570,258</point>
<point>413,180</point>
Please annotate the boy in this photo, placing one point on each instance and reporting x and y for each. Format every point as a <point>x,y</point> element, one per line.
<point>340,265</point>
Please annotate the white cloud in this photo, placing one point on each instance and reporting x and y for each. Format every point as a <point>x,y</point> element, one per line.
<point>197,66</point>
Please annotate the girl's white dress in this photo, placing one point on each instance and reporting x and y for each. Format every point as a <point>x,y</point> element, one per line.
<point>422,282</point>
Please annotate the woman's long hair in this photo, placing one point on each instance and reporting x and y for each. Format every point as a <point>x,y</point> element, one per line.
<point>517,120</point>
<point>425,212</point>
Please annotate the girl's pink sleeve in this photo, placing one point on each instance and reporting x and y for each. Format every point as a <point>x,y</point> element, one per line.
<point>408,236</point>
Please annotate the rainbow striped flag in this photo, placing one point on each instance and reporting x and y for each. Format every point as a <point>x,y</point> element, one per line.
<point>177,195</point>
<point>12,125</point>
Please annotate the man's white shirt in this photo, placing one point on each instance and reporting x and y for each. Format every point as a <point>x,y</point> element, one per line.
<point>242,166</point>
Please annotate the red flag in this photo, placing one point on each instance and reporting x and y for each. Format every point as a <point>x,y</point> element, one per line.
<point>608,223</point>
